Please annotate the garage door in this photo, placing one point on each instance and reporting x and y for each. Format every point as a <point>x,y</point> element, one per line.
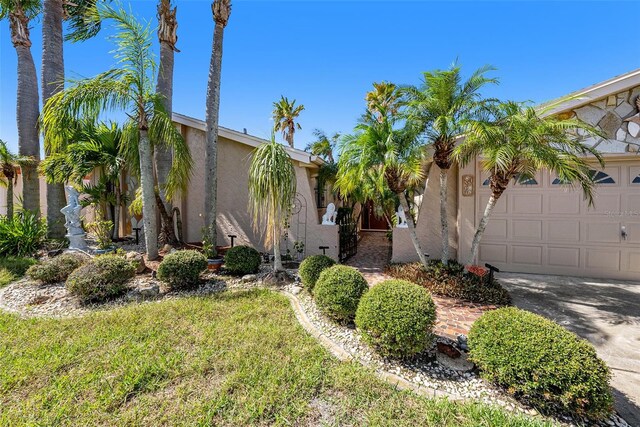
<point>541,226</point>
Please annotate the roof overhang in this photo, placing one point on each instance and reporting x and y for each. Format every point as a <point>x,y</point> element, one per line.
<point>301,156</point>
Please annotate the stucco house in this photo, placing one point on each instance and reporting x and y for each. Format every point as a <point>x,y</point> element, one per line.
<point>542,226</point>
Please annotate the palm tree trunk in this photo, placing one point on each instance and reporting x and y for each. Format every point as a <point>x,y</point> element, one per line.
<point>116,211</point>
<point>27,110</point>
<point>444,219</point>
<point>10,198</point>
<point>163,155</point>
<point>412,229</point>
<point>277,259</point>
<point>482,226</point>
<point>148,196</point>
<point>52,82</point>
<point>212,116</point>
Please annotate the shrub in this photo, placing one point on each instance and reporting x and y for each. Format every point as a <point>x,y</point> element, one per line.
<point>311,268</point>
<point>451,281</point>
<point>12,268</point>
<point>23,235</point>
<point>103,231</point>
<point>242,260</point>
<point>103,278</point>
<point>338,292</point>
<point>540,362</point>
<point>55,270</point>
<point>181,269</point>
<point>397,318</point>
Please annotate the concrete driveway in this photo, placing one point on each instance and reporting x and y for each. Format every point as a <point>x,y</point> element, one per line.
<point>605,312</point>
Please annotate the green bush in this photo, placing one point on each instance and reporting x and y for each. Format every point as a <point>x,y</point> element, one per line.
<point>23,235</point>
<point>397,317</point>
<point>311,268</point>
<point>338,292</point>
<point>103,278</point>
<point>13,268</point>
<point>451,281</point>
<point>55,270</point>
<point>242,260</point>
<point>541,362</point>
<point>181,269</point>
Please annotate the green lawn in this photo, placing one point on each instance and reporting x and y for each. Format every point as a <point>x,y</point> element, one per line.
<point>12,268</point>
<point>236,359</point>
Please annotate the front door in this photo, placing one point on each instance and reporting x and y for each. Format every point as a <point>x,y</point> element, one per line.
<point>370,221</point>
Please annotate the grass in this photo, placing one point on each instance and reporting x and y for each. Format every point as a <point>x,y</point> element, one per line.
<point>235,359</point>
<point>13,268</point>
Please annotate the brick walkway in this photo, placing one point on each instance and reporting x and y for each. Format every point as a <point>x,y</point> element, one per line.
<point>454,317</point>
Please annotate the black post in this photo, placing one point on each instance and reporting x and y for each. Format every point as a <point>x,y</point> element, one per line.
<point>323,248</point>
<point>232,237</point>
<point>492,269</point>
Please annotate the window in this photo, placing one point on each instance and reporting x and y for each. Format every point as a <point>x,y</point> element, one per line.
<point>517,179</point>
<point>321,198</point>
<point>636,180</point>
<point>598,177</point>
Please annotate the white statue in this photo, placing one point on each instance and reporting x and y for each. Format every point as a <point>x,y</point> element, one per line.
<point>402,218</point>
<point>329,217</point>
<point>71,213</point>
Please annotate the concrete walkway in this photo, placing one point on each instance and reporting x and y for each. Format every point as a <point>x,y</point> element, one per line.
<point>605,312</point>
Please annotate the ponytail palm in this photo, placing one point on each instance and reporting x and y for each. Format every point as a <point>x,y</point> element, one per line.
<point>519,143</point>
<point>272,188</point>
<point>130,88</point>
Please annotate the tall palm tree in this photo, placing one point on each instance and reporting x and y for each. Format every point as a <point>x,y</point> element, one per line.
<point>443,106</point>
<point>272,188</point>
<point>129,88</point>
<point>520,142</point>
<point>384,95</point>
<point>167,36</point>
<point>221,11</point>
<point>285,114</point>
<point>324,145</point>
<point>392,157</point>
<point>20,13</point>
<point>9,162</point>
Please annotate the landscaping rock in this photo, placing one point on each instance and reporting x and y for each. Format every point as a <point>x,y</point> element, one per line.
<point>138,260</point>
<point>460,364</point>
<point>448,349</point>
<point>249,278</point>
<point>462,343</point>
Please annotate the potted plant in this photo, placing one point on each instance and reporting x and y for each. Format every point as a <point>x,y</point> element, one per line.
<point>214,261</point>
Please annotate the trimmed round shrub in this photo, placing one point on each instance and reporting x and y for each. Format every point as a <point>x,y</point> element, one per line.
<point>541,362</point>
<point>311,268</point>
<point>181,269</point>
<point>338,292</point>
<point>242,260</point>
<point>103,278</point>
<point>397,318</point>
<point>55,270</point>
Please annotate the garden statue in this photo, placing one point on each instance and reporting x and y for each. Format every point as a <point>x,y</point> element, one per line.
<point>402,218</point>
<point>71,213</point>
<point>329,217</point>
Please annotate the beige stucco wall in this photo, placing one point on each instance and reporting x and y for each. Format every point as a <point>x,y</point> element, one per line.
<point>428,227</point>
<point>17,193</point>
<point>233,196</point>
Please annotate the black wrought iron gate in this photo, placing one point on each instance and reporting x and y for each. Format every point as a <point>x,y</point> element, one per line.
<point>348,234</point>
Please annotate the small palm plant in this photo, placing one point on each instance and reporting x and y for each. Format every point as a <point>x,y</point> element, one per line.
<point>520,142</point>
<point>285,114</point>
<point>272,188</point>
<point>130,88</point>
<point>9,162</point>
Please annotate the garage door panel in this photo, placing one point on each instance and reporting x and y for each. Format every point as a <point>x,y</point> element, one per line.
<point>605,204</point>
<point>602,232</point>
<point>563,203</point>
<point>563,257</point>
<point>602,259</point>
<point>499,208</point>
<point>496,229</point>
<point>633,232</point>
<point>531,255</point>
<point>524,229</point>
<point>526,203</point>
<point>634,261</point>
<point>633,203</point>
<point>563,231</point>
<point>493,253</point>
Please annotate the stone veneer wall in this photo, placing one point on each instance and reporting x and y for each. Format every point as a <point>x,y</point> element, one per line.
<point>610,115</point>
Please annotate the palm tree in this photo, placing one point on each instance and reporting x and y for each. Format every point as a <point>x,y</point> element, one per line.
<point>272,188</point>
<point>520,142</point>
<point>167,27</point>
<point>324,145</point>
<point>20,13</point>
<point>443,106</point>
<point>285,114</point>
<point>129,88</point>
<point>384,95</point>
<point>392,158</point>
<point>221,11</point>
<point>9,162</point>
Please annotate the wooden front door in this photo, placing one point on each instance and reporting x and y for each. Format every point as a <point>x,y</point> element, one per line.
<point>369,219</point>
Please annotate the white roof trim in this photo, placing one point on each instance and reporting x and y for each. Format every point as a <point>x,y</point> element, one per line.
<point>593,93</point>
<point>243,138</point>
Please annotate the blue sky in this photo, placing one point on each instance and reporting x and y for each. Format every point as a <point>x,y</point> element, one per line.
<point>327,54</point>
